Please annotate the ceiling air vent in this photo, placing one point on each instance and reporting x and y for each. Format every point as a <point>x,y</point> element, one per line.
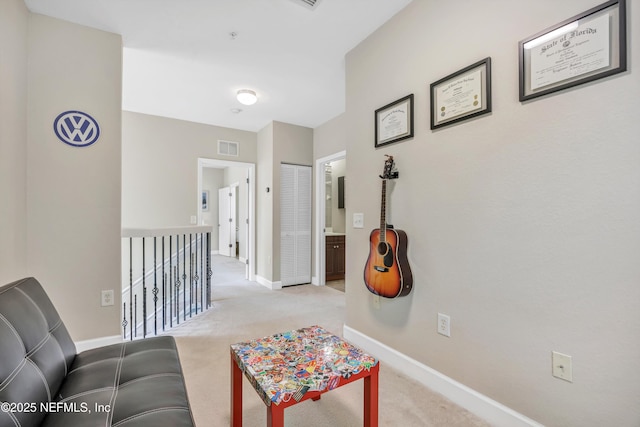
<point>309,4</point>
<point>228,148</point>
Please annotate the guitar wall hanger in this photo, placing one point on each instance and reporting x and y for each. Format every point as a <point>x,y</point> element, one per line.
<point>393,175</point>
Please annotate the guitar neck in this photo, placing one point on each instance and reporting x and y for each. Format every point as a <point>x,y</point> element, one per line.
<point>383,210</point>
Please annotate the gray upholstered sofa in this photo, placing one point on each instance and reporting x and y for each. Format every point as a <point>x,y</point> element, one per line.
<point>43,382</point>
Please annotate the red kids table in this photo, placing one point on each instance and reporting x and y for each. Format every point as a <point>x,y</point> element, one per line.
<point>291,367</point>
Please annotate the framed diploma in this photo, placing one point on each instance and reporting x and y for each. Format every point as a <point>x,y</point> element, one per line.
<point>581,49</point>
<point>394,122</point>
<point>461,95</point>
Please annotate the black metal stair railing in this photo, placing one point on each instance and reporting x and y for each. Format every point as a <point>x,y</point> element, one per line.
<point>176,265</point>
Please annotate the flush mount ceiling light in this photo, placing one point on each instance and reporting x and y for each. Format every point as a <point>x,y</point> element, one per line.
<point>247,97</point>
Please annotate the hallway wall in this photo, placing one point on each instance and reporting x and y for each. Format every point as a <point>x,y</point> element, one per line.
<point>160,166</point>
<point>74,193</point>
<point>14,18</point>
<point>522,224</point>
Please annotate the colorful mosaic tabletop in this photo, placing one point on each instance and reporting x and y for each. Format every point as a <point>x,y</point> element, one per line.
<point>289,364</point>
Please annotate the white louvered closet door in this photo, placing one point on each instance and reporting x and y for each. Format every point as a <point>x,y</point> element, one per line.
<point>295,224</point>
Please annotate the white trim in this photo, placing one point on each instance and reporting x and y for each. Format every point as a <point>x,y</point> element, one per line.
<point>488,409</point>
<point>320,223</point>
<point>97,342</point>
<point>160,232</point>
<point>274,286</point>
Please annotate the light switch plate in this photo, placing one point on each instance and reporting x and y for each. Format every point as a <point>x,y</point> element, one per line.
<point>358,220</point>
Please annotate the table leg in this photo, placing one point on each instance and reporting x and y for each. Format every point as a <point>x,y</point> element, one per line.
<point>371,399</point>
<point>236,394</point>
<point>275,416</point>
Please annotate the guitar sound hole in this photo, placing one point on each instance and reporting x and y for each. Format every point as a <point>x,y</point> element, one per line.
<point>383,248</point>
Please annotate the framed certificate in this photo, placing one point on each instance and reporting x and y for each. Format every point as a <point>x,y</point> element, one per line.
<point>394,122</point>
<point>584,48</point>
<point>461,95</point>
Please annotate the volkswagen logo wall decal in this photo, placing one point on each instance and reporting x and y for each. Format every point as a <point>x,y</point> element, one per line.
<point>76,128</point>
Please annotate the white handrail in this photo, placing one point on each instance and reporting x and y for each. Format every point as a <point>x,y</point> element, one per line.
<point>157,232</point>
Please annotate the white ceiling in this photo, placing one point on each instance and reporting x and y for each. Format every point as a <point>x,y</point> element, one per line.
<point>181,62</point>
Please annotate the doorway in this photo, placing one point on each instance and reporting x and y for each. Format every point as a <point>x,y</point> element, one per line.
<point>321,215</point>
<point>237,175</point>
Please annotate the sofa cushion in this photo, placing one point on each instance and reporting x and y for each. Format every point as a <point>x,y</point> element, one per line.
<point>36,351</point>
<point>129,384</point>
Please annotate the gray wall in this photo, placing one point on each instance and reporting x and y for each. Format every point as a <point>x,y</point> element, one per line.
<point>73,194</point>
<point>52,224</point>
<point>160,166</point>
<point>277,143</point>
<point>328,139</point>
<point>13,140</point>
<point>523,225</point>
<point>264,204</point>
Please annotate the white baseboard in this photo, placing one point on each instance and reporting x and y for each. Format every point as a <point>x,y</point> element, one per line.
<point>488,409</point>
<point>97,342</point>
<point>268,283</point>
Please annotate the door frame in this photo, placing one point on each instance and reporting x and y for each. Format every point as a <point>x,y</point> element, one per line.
<point>320,223</point>
<point>250,271</point>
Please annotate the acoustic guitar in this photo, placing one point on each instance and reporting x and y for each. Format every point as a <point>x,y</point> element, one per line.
<point>387,272</point>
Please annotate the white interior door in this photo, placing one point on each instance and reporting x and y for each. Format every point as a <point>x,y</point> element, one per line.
<point>233,220</point>
<point>287,225</point>
<point>227,221</point>
<point>295,224</point>
<point>224,222</point>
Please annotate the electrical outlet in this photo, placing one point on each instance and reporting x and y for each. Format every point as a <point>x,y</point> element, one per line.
<point>561,366</point>
<point>444,325</point>
<point>107,298</point>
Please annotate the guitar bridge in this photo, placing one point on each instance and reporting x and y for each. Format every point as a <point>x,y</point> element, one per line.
<point>381,269</point>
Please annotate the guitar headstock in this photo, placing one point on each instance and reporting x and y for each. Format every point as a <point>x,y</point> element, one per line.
<point>389,171</point>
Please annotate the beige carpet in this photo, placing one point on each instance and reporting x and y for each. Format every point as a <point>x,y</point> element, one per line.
<point>243,310</point>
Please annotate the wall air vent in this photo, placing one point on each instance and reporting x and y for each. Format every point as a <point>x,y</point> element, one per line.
<point>228,148</point>
<point>309,4</point>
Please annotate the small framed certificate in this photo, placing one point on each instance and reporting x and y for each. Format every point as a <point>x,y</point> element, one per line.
<point>461,95</point>
<point>587,47</point>
<point>394,121</point>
